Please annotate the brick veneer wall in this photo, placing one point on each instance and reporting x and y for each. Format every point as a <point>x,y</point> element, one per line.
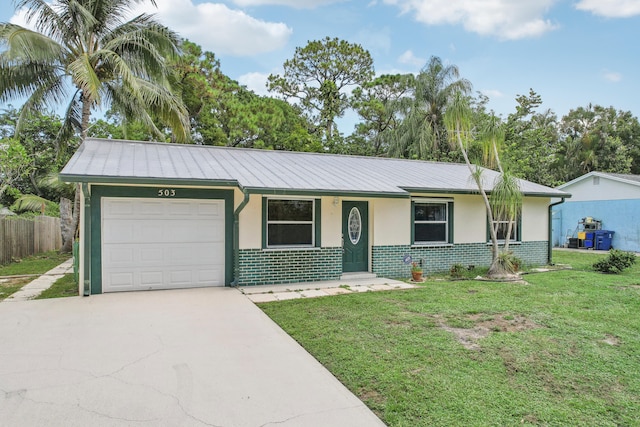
<point>388,260</point>
<point>267,267</point>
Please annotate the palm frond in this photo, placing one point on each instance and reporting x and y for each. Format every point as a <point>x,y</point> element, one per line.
<point>30,203</point>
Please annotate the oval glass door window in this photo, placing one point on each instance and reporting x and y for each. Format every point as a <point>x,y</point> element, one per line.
<point>355,225</point>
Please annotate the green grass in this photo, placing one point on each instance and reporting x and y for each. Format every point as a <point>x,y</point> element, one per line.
<point>562,350</point>
<point>63,287</point>
<point>36,264</point>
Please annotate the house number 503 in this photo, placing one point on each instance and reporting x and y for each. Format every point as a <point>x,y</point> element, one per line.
<point>166,192</point>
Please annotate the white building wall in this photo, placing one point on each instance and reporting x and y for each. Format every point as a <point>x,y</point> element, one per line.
<point>535,220</point>
<point>391,221</point>
<point>601,188</point>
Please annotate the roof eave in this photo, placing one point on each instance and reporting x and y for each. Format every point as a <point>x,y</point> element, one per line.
<point>147,180</point>
<point>476,192</point>
<point>325,192</point>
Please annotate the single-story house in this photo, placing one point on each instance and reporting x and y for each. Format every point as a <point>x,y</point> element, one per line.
<point>159,215</point>
<point>612,198</point>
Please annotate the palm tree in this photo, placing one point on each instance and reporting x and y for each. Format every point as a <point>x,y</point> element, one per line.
<point>506,199</point>
<point>422,133</point>
<point>105,58</point>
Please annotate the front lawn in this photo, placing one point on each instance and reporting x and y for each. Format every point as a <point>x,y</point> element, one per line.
<point>561,350</point>
<point>66,286</point>
<point>35,264</point>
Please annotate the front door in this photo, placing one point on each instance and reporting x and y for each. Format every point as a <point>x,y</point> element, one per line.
<point>355,226</point>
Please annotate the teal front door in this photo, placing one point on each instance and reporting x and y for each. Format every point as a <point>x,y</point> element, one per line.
<point>355,237</point>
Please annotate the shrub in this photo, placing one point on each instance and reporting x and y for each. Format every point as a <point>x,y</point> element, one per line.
<point>457,271</point>
<point>615,262</point>
<point>509,263</point>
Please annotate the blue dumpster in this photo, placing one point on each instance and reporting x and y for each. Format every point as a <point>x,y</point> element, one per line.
<point>603,239</point>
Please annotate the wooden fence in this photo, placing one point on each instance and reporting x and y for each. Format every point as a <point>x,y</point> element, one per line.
<point>20,237</point>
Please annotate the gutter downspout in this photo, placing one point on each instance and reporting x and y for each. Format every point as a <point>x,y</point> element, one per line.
<point>550,216</point>
<point>236,237</point>
<point>87,240</point>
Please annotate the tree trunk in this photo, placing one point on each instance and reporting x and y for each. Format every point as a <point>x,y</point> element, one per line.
<point>495,250</point>
<point>66,225</point>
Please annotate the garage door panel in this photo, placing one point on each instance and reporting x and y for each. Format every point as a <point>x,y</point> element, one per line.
<point>119,208</point>
<point>122,280</point>
<point>161,244</point>
<point>151,278</point>
<point>208,210</point>
<point>151,254</point>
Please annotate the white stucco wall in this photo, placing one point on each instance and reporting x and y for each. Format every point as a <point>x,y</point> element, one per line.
<point>469,219</point>
<point>535,221</point>
<point>391,221</point>
<point>331,225</point>
<point>250,236</point>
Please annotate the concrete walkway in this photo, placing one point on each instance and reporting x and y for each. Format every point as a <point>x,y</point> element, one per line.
<point>37,286</point>
<point>269,293</point>
<point>192,357</point>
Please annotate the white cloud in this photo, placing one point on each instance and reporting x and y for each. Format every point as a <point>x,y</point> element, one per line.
<point>612,76</point>
<point>492,93</point>
<point>610,8</point>
<point>213,26</point>
<point>506,19</point>
<point>20,18</point>
<point>408,57</point>
<point>256,82</point>
<point>219,29</point>
<point>298,4</point>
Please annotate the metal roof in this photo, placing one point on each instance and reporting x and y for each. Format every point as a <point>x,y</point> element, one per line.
<point>117,161</point>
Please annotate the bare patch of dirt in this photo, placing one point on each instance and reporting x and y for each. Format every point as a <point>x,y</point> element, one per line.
<point>372,396</point>
<point>611,340</point>
<point>634,286</point>
<point>484,324</point>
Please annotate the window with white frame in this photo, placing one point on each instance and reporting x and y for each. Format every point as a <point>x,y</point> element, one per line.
<point>431,221</point>
<point>290,222</point>
<point>503,227</point>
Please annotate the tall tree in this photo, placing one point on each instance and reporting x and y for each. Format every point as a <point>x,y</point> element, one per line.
<point>107,58</point>
<point>38,137</point>
<point>222,112</point>
<point>319,77</point>
<point>423,133</point>
<point>598,138</point>
<point>381,104</point>
<point>14,163</point>
<point>532,141</point>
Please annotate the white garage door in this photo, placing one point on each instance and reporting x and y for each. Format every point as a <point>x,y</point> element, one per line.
<point>162,243</point>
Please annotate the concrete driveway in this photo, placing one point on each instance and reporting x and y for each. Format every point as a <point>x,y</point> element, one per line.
<point>198,357</point>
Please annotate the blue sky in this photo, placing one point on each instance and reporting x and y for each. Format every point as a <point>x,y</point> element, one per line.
<point>571,52</point>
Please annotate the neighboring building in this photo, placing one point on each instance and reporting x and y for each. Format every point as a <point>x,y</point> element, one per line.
<point>159,215</point>
<point>611,198</point>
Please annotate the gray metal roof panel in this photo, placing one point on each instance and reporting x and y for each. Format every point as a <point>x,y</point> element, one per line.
<point>282,170</point>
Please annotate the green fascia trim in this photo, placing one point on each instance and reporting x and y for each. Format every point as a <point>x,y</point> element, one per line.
<point>100,191</point>
<point>319,193</point>
<point>475,192</point>
<point>317,217</point>
<point>147,181</point>
<point>450,219</point>
<point>86,264</point>
<point>264,223</point>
